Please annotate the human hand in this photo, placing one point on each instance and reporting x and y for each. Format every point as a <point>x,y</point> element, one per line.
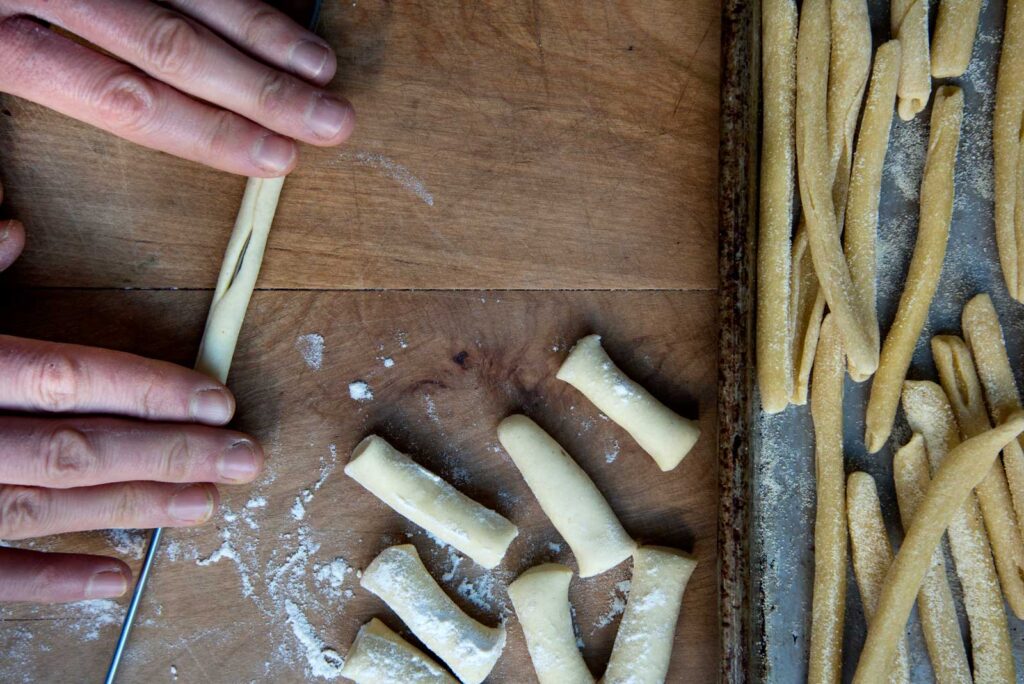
<point>102,439</point>
<point>187,84</point>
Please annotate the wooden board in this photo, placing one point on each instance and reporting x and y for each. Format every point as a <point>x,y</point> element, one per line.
<point>537,144</point>
<point>462,361</point>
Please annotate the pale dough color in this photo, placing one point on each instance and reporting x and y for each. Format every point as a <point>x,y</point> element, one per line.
<point>1006,147</point>
<point>567,496</point>
<point>379,656</point>
<point>644,643</point>
<point>430,502</point>
<point>953,41</point>
<point>398,577</point>
<point>540,597</point>
<point>935,602</point>
<point>909,20</point>
<point>960,472</point>
<point>662,433</point>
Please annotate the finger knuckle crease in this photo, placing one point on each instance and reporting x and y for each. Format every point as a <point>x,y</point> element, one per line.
<point>70,454</point>
<point>177,460</point>
<point>272,94</point>
<point>129,505</point>
<point>128,101</point>
<point>22,511</point>
<point>171,45</point>
<point>58,382</point>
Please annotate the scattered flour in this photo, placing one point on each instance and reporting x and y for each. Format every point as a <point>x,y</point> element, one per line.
<point>256,502</point>
<point>617,604</point>
<point>360,391</point>
<point>298,510</point>
<point>131,543</point>
<point>554,547</point>
<point>311,347</point>
<point>397,173</point>
<point>612,453</point>
<point>388,362</point>
<point>174,673</point>
<point>321,661</point>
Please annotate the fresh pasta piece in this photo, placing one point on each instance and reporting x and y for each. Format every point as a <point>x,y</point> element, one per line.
<point>866,182</point>
<point>567,496</point>
<point>960,382</point>
<point>984,336</point>
<point>829,595</point>
<point>662,433</point>
<point>815,182</point>
<point>398,577</point>
<point>872,556</point>
<point>237,279</point>
<point>953,41</point>
<point>806,309</point>
<point>1006,147</point>
<point>540,597</point>
<point>929,414</point>
<point>935,600</point>
<point>644,643</point>
<point>909,19</point>
<point>430,502</point>
<point>774,344</point>
<point>378,655</point>
<point>925,266</point>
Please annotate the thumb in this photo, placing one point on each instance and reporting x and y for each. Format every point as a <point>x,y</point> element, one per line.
<point>12,241</point>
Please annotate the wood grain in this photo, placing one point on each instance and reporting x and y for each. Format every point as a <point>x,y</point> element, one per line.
<point>527,144</point>
<point>469,359</point>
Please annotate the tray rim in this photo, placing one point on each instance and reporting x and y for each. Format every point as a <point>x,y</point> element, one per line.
<point>737,204</point>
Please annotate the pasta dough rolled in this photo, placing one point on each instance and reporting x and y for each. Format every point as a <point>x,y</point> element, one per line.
<point>960,382</point>
<point>929,414</point>
<point>540,597</point>
<point>925,266</point>
<point>398,577</point>
<point>662,433</point>
<point>960,472</point>
<point>828,602</point>
<point>1006,147</point>
<point>872,556</point>
<point>430,502</point>
<point>984,336</point>
<point>814,173</point>
<point>643,644</point>
<point>954,37</point>
<point>567,495</point>
<point>378,655</point>
<point>909,19</point>
<point>806,307</point>
<point>774,344</point>
<point>935,600</point>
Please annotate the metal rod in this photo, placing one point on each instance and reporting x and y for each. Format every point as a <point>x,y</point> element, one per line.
<point>133,607</point>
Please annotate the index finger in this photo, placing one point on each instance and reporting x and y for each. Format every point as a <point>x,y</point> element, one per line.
<point>68,378</point>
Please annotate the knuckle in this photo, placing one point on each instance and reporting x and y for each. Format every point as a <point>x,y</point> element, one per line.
<point>58,380</point>
<point>272,98</point>
<point>221,133</point>
<point>130,505</point>
<point>69,455</point>
<point>23,511</point>
<point>176,461</point>
<point>262,25</point>
<point>128,101</point>
<point>171,45</point>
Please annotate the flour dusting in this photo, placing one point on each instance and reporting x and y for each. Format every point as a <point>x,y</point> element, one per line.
<point>311,347</point>
<point>360,391</point>
<point>398,173</point>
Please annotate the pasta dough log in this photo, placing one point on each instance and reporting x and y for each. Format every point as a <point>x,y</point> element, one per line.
<point>909,19</point>
<point>961,471</point>
<point>643,644</point>
<point>540,597</point>
<point>829,595</point>
<point>774,344</point>
<point>398,577</point>
<point>960,382</point>
<point>929,414</point>
<point>807,306</point>
<point>662,433</point>
<point>378,655</point>
<point>238,273</point>
<point>935,600</point>
<point>925,266</point>
<point>953,41</point>
<point>872,556</point>
<point>815,182</point>
<point>430,502</point>
<point>567,496</point>
<point>866,182</point>
<point>1006,129</point>
<point>984,336</point>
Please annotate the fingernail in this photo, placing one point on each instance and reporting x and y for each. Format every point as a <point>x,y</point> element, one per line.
<point>238,462</point>
<point>309,58</point>
<point>273,153</point>
<point>106,584</point>
<point>328,115</point>
<point>212,406</point>
<point>193,504</point>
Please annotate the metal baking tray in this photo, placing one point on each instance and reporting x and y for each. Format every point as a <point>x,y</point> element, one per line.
<point>766,463</point>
